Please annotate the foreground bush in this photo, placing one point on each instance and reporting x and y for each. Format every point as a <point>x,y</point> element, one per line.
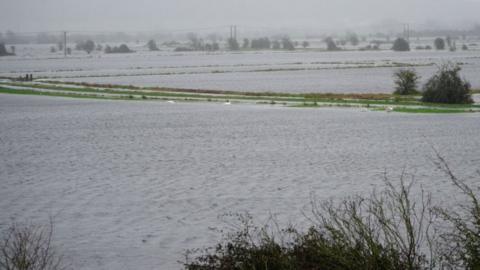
<point>29,248</point>
<point>446,86</point>
<point>406,81</point>
<point>387,230</point>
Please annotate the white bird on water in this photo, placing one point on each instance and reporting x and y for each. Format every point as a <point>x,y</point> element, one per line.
<point>171,102</point>
<point>389,109</point>
<point>227,103</point>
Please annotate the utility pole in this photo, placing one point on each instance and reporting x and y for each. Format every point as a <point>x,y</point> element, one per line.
<point>233,32</point>
<point>65,43</point>
<point>406,31</point>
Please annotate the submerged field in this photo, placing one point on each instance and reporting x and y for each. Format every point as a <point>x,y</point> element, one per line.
<point>255,71</point>
<point>131,184</point>
<point>139,157</point>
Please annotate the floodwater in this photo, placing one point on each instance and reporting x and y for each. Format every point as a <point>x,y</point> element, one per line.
<point>275,71</point>
<point>131,185</point>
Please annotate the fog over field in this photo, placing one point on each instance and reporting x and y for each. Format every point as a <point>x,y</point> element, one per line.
<point>34,15</point>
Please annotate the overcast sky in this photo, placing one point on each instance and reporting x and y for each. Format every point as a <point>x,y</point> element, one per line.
<point>136,15</point>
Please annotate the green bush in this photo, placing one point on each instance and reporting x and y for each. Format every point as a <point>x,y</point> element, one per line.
<point>401,45</point>
<point>406,81</point>
<point>446,86</point>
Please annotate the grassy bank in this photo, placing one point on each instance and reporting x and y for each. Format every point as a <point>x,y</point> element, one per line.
<point>403,104</point>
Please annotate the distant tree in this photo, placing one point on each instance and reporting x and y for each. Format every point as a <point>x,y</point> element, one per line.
<point>401,45</point>
<point>446,86</point>
<point>353,38</point>
<point>371,47</point>
<point>233,44</point>
<point>79,45</point>
<point>152,45</point>
<point>212,46</point>
<point>3,50</point>
<point>406,81</point>
<point>195,41</point>
<point>453,47</point>
<point>449,41</point>
<point>465,47</point>
<point>99,47</point>
<point>261,43</point>
<point>331,45</point>
<point>305,44</point>
<point>89,46</point>
<point>183,49</point>
<point>69,51</point>
<point>287,44</point>
<point>60,46</point>
<point>53,49</point>
<point>121,49</point>
<point>276,45</point>
<point>439,44</point>
<point>108,49</point>
<point>246,43</point>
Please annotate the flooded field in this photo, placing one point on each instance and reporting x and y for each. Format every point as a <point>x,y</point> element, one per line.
<point>131,185</point>
<point>276,71</point>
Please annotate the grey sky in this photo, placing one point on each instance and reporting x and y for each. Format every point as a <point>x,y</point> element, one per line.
<point>133,15</point>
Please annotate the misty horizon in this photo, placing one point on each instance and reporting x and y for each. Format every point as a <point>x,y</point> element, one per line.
<point>189,15</point>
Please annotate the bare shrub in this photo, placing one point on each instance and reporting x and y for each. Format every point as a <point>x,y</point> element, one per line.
<point>460,241</point>
<point>406,82</point>
<point>388,230</point>
<point>29,248</point>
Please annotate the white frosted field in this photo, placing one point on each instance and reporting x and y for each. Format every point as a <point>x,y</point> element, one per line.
<point>131,185</point>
